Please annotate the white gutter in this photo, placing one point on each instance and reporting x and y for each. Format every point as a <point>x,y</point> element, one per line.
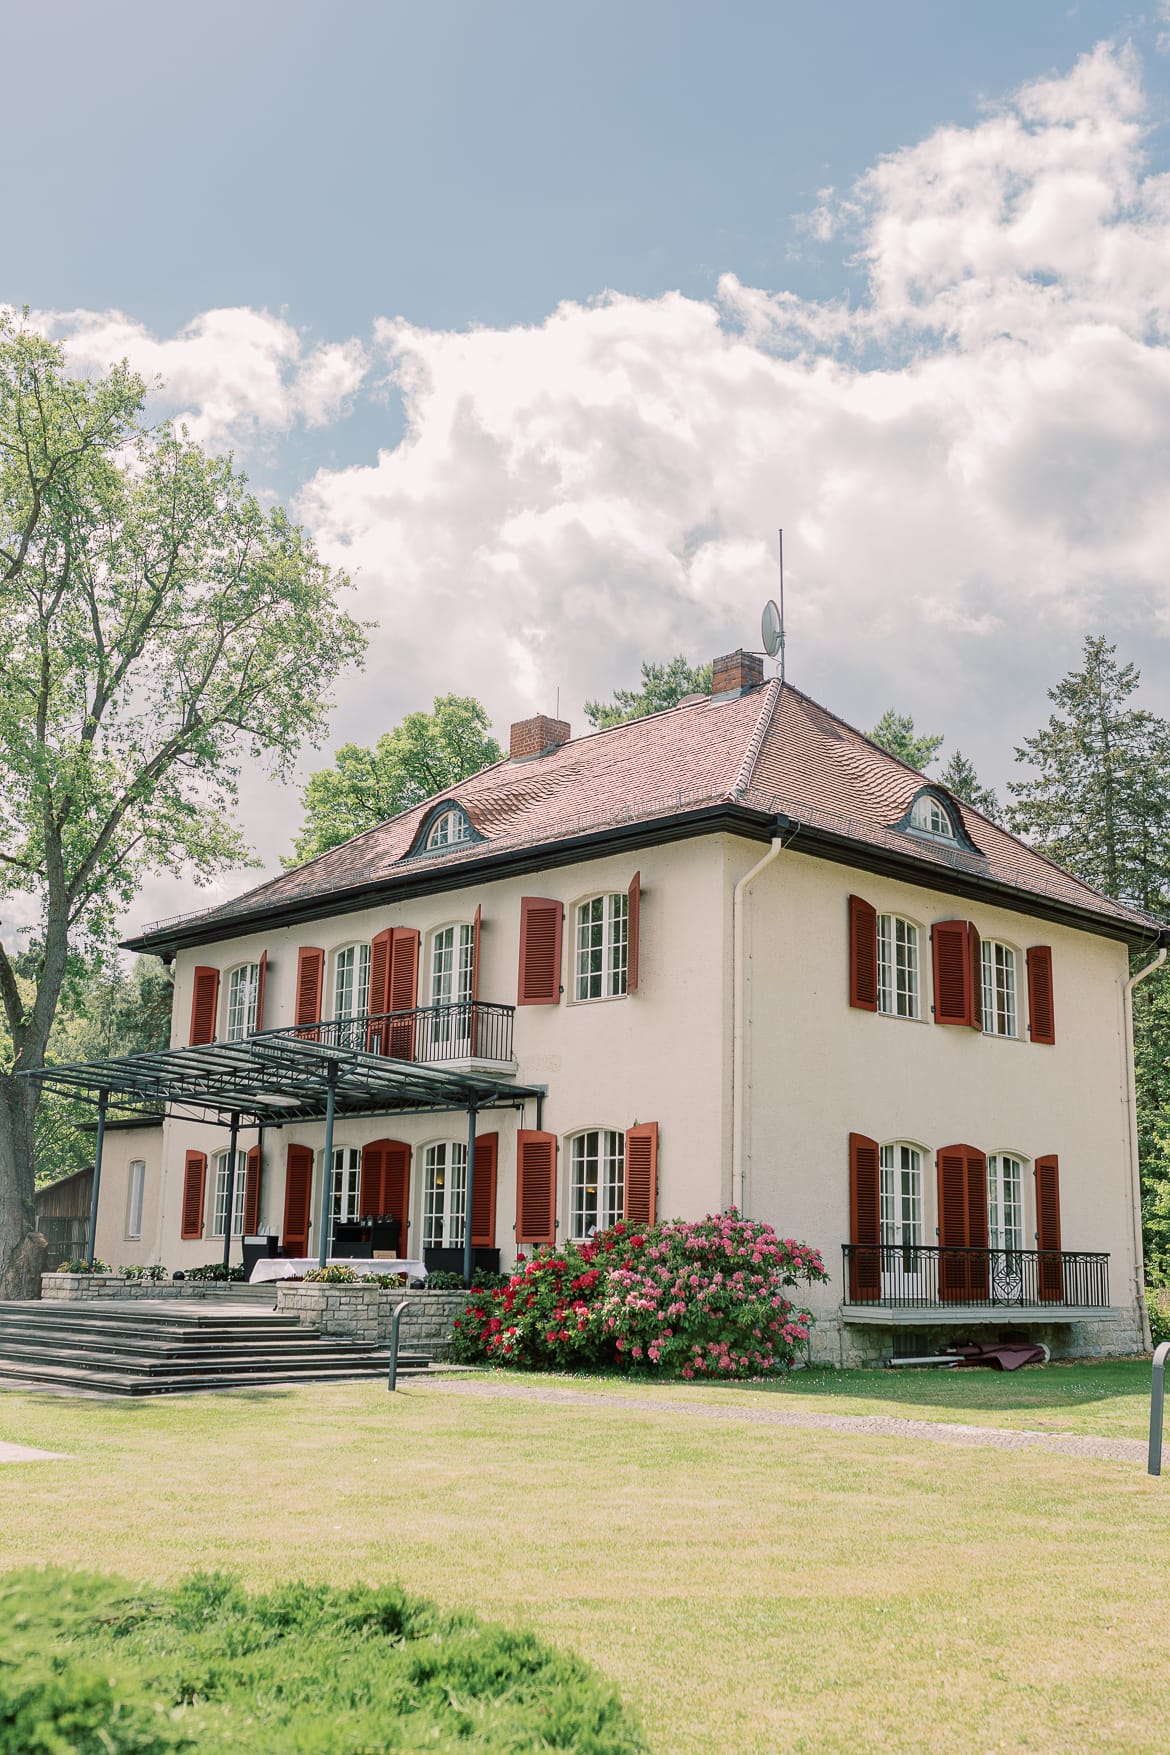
<point>1139,1278</point>
<point>739,1081</point>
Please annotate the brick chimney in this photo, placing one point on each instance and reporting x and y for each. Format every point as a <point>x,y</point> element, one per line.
<point>537,737</point>
<point>736,673</point>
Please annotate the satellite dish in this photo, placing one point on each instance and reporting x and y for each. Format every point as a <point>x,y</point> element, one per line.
<point>771,629</point>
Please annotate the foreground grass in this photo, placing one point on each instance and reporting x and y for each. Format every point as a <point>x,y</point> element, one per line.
<point>749,1588</point>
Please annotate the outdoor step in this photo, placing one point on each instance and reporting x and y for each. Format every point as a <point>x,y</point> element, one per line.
<point>184,1365</point>
<point>139,1310</point>
<point>125,1334</point>
<point>121,1384</point>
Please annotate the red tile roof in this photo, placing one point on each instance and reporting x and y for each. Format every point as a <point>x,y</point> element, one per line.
<point>772,751</point>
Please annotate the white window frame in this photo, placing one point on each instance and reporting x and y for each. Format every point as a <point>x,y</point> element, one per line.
<point>929,816</point>
<point>449,829</point>
<point>597,1180</point>
<point>601,936</point>
<point>899,967</point>
<point>1006,1185</point>
<point>135,1193</point>
<point>219,1164</point>
<point>999,973</point>
<point>444,1194</point>
<point>901,1193</point>
<point>351,991</point>
<point>452,976</point>
<point>242,1001</point>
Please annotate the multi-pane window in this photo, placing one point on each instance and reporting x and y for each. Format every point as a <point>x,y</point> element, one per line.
<point>999,988</point>
<point>601,948</point>
<point>450,827</point>
<point>222,1162</point>
<point>597,1168</point>
<point>452,977</point>
<point>134,1191</point>
<point>243,998</point>
<point>444,1194</point>
<point>351,990</point>
<point>347,1176</point>
<point>898,967</point>
<point>931,817</point>
<point>1005,1202</point>
<point>900,1190</point>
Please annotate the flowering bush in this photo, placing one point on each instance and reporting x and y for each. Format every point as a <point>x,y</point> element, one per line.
<point>77,1264</point>
<point>336,1274</point>
<point>692,1299</point>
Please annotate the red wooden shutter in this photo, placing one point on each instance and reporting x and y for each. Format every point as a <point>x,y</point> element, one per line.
<point>252,1189</point>
<point>204,1005</point>
<point>633,931</point>
<point>865,1231</point>
<point>975,957</point>
<point>953,999</point>
<point>310,981</point>
<point>261,983</point>
<point>483,1195</point>
<point>863,955</point>
<point>1047,1173</point>
<point>1041,1012</point>
<point>540,951</point>
<point>403,985</point>
<point>194,1181</point>
<point>641,1173</point>
<point>379,1000</point>
<point>962,1225</point>
<point>536,1186</point>
<point>298,1192</point>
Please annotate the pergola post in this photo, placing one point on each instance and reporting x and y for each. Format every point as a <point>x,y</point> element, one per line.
<point>327,1166</point>
<point>467,1208</point>
<point>231,1189</point>
<point>98,1148</point>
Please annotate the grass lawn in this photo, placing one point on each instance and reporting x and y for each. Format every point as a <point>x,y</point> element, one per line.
<point>750,1588</point>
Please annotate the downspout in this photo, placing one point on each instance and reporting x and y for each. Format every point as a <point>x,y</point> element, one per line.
<point>740,1019</point>
<point>1139,1276</point>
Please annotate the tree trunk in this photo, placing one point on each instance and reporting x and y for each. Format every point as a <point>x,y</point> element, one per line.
<point>22,1248</point>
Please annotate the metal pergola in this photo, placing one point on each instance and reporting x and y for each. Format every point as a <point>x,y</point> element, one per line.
<point>270,1080</point>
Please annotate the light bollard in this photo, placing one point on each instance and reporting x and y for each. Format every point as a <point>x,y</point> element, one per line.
<point>395,1325</point>
<point>1157,1406</point>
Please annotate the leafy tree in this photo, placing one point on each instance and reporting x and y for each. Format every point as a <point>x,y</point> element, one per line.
<point>959,777</point>
<point>663,686</point>
<point>1097,802</point>
<point>895,732</point>
<point>156,625</point>
<point>426,754</point>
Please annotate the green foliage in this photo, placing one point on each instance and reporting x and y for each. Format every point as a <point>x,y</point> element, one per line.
<point>334,1274</point>
<point>77,1264</point>
<point>98,1666</point>
<point>663,686</point>
<point>1098,802</point>
<point>426,754</point>
<point>960,778</point>
<point>215,1272</point>
<point>895,732</point>
<point>1158,1309</point>
<point>154,1273</point>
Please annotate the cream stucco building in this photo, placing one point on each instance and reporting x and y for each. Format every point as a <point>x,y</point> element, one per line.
<point>730,954</point>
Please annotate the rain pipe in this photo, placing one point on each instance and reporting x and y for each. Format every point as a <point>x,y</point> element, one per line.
<point>1134,1157</point>
<point>740,1020</point>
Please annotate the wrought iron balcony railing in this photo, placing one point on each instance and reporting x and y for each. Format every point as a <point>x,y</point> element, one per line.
<point>474,1031</point>
<point>919,1276</point>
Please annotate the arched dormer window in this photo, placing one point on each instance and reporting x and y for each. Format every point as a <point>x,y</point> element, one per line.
<point>932,816</point>
<point>448,826</point>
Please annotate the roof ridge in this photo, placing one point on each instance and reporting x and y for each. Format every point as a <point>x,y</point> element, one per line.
<point>763,724</point>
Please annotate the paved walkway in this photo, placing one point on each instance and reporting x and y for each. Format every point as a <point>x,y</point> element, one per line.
<point>26,1453</point>
<point>1131,1450</point>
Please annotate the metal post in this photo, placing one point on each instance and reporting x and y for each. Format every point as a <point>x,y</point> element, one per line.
<point>1157,1405</point>
<point>395,1325</point>
<point>231,1190</point>
<point>326,1215</point>
<point>467,1250</point>
<point>98,1148</point>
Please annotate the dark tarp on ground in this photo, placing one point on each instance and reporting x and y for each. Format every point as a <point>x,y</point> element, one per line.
<point>1003,1356</point>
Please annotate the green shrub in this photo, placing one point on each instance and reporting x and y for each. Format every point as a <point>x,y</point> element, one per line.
<point>154,1273</point>
<point>1158,1306</point>
<point>214,1270</point>
<point>336,1274</point>
<point>77,1264</point>
<point>99,1666</point>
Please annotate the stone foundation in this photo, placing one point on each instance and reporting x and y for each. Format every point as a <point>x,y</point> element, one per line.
<point>854,1344</point>
<point>363,1313</point>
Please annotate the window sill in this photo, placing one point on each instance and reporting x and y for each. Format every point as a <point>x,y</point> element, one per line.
<point>897,1018</point>
<point>602,999</point>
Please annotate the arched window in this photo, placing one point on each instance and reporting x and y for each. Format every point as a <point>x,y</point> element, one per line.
<point>347,1175</point>
<point>930,816</point>
<point>351,990</point>
<point>1005,1201</point>
<point>597,1181</point>
<point>444,1194</point>
<point>449,827</point>
<point>1000,1008</point>
<point>219,1214</point>
<point>601,947</point>
<point>898,967</point>
<point>900,1191</point>
<point>243,1000</point>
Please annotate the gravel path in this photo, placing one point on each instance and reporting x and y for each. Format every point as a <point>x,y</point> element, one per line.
<point>1131,1450</point>
<point>26,1453</point>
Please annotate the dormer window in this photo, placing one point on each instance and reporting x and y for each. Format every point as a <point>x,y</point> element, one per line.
<point>450,827</point>
<point>930,816</point>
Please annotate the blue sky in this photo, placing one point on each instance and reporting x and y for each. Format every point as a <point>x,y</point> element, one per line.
<point>542,317</point>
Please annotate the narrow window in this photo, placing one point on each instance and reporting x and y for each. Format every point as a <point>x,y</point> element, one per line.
<point>448,1029</point>
<point>1005,1202</point>
<point>444,1195</point>
<point>900,1191</point>
<point>347,1176</point>
<point>999,989</point>
<point>597,1161</point>
<point>134,1192</point>
<point>602,947</point>
<point>221,1161</point>
<point>243,998</point>
<point>351,992</point>
<point>898,967</point>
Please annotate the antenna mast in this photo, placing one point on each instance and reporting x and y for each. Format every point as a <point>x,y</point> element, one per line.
<point>782,666</point>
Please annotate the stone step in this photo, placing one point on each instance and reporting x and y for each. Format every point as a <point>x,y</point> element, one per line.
<point>162,1334</point>
<point>16,1373</point>
<point>182,1364</point>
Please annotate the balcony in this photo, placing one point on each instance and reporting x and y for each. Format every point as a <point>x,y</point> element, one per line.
<point>902,1283</point>
<point>431,1035</point>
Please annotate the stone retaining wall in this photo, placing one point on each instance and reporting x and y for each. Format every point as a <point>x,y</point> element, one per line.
<point>363,1313</point>
<point>853,1344</point>
<point>86,1287</point>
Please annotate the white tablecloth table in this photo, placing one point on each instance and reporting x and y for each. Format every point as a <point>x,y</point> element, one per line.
<point>295,1267</point>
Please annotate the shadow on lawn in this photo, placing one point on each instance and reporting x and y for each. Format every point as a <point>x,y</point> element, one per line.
<point>1035,1386</point>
